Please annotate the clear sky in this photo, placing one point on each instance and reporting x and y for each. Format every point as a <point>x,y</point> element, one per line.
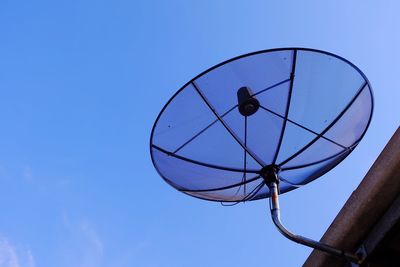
<point>81,83</point>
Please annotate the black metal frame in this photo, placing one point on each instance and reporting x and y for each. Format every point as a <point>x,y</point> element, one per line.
<point>301,126</point>
<point>289,98</point>
<point>231,132</point>
<point>244,158</point>
<point>328,127</point>
<point>208,165</point>
<point>343,153</point>
<point>224,114</point>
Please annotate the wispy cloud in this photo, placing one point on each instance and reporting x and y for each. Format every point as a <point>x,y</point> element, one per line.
<point>91,244</point>
<point>87,244</point>
<point>27,174</point>
<point>11,257</point>
<point>8,255</point>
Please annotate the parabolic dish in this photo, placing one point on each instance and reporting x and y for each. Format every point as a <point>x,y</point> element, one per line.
<point>313,109</point>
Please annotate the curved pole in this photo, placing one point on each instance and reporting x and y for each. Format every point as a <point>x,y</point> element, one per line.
<point>272,183</point>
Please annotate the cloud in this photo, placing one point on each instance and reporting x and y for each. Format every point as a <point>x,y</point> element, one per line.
<point>91,244</point>
<point>30,260</point>
<point>11,257</point>
<point>27,174</point>
<point>8,256</point>
<point>85,248</point>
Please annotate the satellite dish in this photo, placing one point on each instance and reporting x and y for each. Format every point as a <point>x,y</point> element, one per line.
<point>260,125</point>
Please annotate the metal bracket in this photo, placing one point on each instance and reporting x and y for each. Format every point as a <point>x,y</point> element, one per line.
<point>271,180</point>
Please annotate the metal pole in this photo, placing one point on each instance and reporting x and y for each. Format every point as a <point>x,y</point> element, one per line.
<point>272,183</point>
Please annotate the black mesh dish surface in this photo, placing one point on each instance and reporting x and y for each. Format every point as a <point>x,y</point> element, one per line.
<point>314,108</point>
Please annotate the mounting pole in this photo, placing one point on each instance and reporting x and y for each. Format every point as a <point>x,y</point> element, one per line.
<point>269,173</point>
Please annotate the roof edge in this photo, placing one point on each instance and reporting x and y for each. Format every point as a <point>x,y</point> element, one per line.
<point>362,210</point>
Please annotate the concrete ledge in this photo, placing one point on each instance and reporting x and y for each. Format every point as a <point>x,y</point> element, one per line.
<point>364,208</point>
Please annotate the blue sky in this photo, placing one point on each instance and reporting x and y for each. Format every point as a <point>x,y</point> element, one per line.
<point>81,83</point>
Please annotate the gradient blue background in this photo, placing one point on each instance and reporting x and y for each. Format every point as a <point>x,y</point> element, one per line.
<point>81,83</point>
